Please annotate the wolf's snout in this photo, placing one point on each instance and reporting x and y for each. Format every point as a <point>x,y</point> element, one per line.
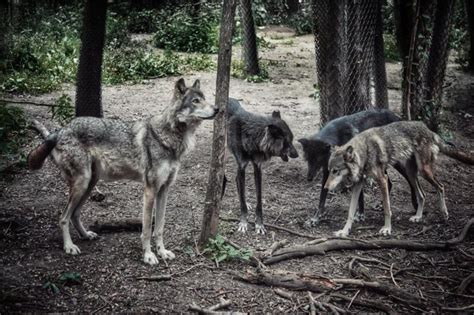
<point>293,153</point>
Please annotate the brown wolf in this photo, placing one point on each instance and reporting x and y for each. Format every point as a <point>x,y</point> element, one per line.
<point>372,151</point>
<point>150,151</point>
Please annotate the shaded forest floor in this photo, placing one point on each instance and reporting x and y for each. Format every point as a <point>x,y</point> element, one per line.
<point>31,254</point>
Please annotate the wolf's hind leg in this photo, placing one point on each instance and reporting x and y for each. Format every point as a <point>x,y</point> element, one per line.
<point>240,180</point>
<point>259,227</point>
<point>77,190</point>
<point>427,173</point>
<point>76,220</point>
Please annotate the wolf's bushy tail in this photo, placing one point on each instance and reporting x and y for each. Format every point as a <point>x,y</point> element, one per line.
<point>455,153</point>
<point>40,153</point>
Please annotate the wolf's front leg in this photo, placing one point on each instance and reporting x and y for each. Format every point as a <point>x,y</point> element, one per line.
<point>382,178</point>
<point>319,212</point>
<point>240,180</point>
<point>148,201</point>
<point>259,227</point>
<point>356,190</point>
<point>160,212</point>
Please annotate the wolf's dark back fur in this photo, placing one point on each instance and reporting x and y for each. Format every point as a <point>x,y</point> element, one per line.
<point>340,130</point>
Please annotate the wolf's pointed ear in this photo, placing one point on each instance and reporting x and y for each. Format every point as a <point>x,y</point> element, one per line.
<point>303,141</point>
<point>275,131</point>
<point>349,154</point>
<point>180,87</point>
<point>276,114</point>
<point>197,85</point>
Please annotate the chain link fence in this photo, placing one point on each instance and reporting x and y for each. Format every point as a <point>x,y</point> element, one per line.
<point>349,56</point>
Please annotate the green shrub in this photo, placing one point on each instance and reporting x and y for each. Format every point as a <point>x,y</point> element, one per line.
<point>13,136</point>
<point>181,31</point>
<point>221,251</point>
<point>390,48</point>
<point>143,21</point>
<point>237,70</point>
<point>116,31</point>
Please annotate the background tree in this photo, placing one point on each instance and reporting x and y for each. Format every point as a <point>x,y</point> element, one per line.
<point>249,39</point>
<point>89,73</point>
<point>210,221</point>
<point>469,6</point>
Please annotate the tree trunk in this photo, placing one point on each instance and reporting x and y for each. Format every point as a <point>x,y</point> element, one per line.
<point>469,5</point>
<point>212,206</point>
<point>4,27</point>
<point>380,74</point>
<point>88,94</point>
<point>330,56</point>
<point>436,66</point>
<point>249,39</point>
<point>292,7</point>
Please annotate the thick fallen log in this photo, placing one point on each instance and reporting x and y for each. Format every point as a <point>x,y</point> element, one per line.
<point>336,244</point>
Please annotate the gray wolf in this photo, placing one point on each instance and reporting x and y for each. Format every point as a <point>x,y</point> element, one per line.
<point>337,132</point>
<point>149,151</point>
<point>372,151</point>
<point>255,138</point>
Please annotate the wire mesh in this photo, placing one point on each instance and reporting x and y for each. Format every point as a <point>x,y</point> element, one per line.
<point>349,56</point>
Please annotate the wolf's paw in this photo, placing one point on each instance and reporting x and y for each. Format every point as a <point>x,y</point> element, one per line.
<point>243,227</point>
<point>166,254</point>
<point>313,221</point>
<point>150,258</point>
<point>415,218</point>
<point>91,235</point>
<point>359,217</point>
<point>385,231</point>
<point>341,233</point>
<point>72,249</point>
<point>260,229</point>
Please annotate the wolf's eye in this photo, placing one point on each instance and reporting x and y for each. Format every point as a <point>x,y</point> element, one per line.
<point>334,171</point>
<point>196,100</point>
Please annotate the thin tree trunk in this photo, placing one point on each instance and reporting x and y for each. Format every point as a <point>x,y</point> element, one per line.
<point>469,5</point>
<point>249,39</point>
<point>88,94</point>
<point>212,206</point>
<point>380,74</point>
<point>436,66</point>
<point>4,26</point>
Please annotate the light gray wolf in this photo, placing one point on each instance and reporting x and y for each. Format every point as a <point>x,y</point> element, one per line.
<point>337,132</point>
<point>255,138</point>
<point>372,151</point>
<point>149,151</point>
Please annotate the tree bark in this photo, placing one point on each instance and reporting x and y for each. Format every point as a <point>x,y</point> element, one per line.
<point>380,74</point>
<point>469,5</point>
<point>88,94</point>
<point>249,39</point>
<point>212,206</point>
<point>436,65</point>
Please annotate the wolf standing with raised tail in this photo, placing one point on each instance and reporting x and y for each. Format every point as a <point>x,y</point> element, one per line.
<point>372,151</point>
<point>149,151</point>
<point>255,138</point>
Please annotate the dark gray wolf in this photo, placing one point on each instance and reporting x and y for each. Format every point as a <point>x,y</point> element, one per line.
<point>372,151</point>
<point>256,138</point>
<point>337,132</point>
<point>150,151</point>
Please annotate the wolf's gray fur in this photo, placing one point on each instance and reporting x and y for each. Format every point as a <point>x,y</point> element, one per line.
<point>150,151</point>
<point>337,132</point>
<point>256,138</point>
<point>372,151</point>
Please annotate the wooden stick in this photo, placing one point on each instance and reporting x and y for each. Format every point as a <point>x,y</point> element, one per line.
<point>27,103</point>
<point>366,303</point>
<point>457,309</point>
<point>465,283</point>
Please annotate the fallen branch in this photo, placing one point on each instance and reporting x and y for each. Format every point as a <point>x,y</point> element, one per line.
<point>167,277</point>
<point>252,256</point>
<point>458,309</point>
<point>465,283</point>
<point>286,279</point>
<point>134,225</point>
<point>26,103</point>
<point>335,244</point>
<point>275,246</point>
<point>284,294</point>
<point>366,303</point>
<point>223,303</point>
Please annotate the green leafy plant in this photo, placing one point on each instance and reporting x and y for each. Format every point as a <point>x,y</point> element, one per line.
<point>51,287</point>
<point>13,136</point>
<point>63,111</point>
<point>143,21</point>
<point>390,48</point>
<point>65,279</point>
<point>220,250</point>
<point>238,70</point>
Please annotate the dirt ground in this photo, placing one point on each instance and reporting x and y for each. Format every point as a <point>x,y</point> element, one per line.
<point>31,254</point>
